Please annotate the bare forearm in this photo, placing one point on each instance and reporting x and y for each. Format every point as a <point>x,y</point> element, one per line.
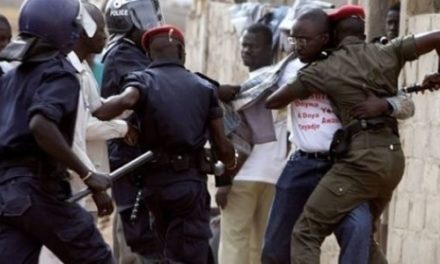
<point>113,107</point>
<point>225,149</point>
<point>427,42</point>
<point>117,104</point>
<point>50,139</point>
<point>286,94</point>
<point>280,98</point>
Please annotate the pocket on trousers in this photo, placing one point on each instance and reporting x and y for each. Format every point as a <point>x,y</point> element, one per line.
<point>16,206</point>
<point>338,187</point>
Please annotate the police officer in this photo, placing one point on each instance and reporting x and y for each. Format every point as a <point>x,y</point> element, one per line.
<point>126,22</point>
<point>177,109</point>
<point>38,108</point>
<point>371,164</point>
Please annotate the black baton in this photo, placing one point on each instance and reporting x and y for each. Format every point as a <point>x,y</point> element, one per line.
<point>115,175</point>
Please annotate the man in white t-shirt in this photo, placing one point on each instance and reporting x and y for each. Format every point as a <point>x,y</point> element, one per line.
<point>313,125</point>
<point>245,205</point>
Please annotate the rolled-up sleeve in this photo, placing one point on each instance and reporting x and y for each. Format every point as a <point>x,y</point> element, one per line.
<point>139,80</point>
<point>56,97</point>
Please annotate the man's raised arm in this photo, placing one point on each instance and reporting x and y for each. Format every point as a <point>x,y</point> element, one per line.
<point>427,42</point>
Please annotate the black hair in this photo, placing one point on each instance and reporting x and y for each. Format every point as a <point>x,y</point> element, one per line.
<point>318,17</point>
<point>262,29</point>
<point>4,20</point>
<point>395,7</point>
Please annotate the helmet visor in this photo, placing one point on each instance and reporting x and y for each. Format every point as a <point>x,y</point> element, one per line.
<point>18,47</point>
<point>145,14</point>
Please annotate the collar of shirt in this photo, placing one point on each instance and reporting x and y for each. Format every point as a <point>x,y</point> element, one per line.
<point>165,62</point>
<point>76,63</point>
<point>258,71</point>
<point>350,40</point>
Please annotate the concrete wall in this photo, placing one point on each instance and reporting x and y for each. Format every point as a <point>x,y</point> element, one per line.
<point>414,224</point>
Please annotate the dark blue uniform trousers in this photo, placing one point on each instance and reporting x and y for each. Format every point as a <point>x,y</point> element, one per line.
<point>181,212</point>
<point>31,217</point>
<point>139,234</point>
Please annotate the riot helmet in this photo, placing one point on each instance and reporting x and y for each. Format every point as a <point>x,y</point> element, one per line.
<point>57,23</point>
<point>122,15</point>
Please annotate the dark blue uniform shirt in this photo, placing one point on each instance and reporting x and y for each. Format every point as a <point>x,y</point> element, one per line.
<point>122,58</point>
<point>49,88</point>
<point>175,107</point>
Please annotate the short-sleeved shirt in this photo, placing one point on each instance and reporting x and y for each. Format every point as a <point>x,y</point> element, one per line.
<point>122,58</point>
<point>353,69</point>
<point>175,107</point>
<point>49,88</point>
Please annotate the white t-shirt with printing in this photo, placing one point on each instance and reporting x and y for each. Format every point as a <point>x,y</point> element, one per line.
<point>313,121</point>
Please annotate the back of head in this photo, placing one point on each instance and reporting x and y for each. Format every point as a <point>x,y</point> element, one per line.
<point>164,42</point>
<point>348,20</point>
<point>351,26</point>
<point>124,15</point>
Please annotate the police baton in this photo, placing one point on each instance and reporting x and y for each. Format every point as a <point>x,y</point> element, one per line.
<point>115,175</point>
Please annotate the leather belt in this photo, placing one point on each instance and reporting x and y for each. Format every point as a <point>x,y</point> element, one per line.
<point>315,155</point>
<point>372,123</point>
<point>176,161</point>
